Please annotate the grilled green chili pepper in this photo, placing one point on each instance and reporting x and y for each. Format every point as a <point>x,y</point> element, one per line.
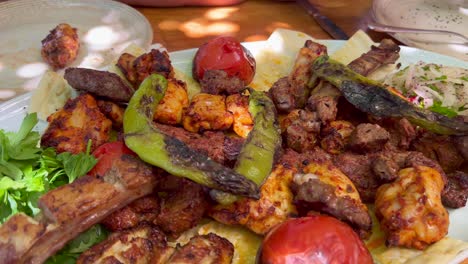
<point>256,158</point>
<point>372,97</point>
<point>169,153</point>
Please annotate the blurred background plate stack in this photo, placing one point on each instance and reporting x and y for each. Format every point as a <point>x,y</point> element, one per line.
<point>441,15</point>
<point>105,28</point>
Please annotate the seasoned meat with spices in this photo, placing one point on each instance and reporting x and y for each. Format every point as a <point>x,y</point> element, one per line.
<point>79,121</point>
<point>335,136</point>
<point>218,82</point>
<point>455,192</point>
<point>274,206</point>
<point>386,53</point>
<point>207,112</point>
<point>113,112</point>
<point>402,132</point>
<point>441,149</point>
<point>291,92</point>
<point>61,46</point>
<point>301,129</point>
<point>324,97</point>
<point>368,138</point>
<point>143,210</point>
<point>323,187</point>
<point>410,209</point>
<point>137,69</point>
<point>181,208</point>
<point>238,105</point>
<point>99,83</point>
<point>170,108</point>
<point>358,168</point>
<point>140,245</point>
<point>461,143</point>
<point>206,249</point>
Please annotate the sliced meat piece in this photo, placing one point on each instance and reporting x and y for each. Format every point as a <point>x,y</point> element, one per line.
<point>73,208</point>
<point>300,130</point>
<point>238,105</point>
<point>206,249</point>
<point>218,82</point>
<point>113,112</point>
<point>441,149</point>
<point>142,210</point>
<point>385,167</point>
<point>358,168</point>
<point>402,132</point>
<point>214,144</point>
<point>324,97</point>
<point>100,83</point>
<point>140,245</point>
<point>386,53</point>
<point>207,112</point>
<point>61,46</point>
<point>455,192</point>
<point>323,187</point>
<point>335,136</point>
<point>170,108</point>
<point>291,92</point>
<point>78,121</point>
<point>461,143</point>
<point>182,208</point>
<point>368,138</point>
<point>125,64</point>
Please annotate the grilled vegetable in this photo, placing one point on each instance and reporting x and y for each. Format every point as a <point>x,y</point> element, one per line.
<point>169,153</point>
<point>374,98</point>
<point>256,158</point>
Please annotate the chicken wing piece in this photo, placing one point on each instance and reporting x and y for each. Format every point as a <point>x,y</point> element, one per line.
<point>78,121</point>
<point>61,46</point>
<point>274,206</point>
<point>140,245</point>
<point>323,187</point>
<point>207,112</point>
<point>137,69</point>
<point>206,249</point>
<point>238,105</point>
<point>170,108</point>
<point>410,209</point>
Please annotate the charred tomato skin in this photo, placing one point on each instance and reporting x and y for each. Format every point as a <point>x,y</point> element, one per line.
<point>106,154</point>
<point>314,239</point>
<point>227,54</point>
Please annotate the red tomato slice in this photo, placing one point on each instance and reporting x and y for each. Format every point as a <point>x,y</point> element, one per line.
<point>227,54</point>
<point>106,153</point>
<point>314,240</point>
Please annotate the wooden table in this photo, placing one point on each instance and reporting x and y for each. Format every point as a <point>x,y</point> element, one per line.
<point>189,27</point>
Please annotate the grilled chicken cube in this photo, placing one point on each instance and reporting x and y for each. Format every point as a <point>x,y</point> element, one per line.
<point>140,245</point>
<point>410,209</point>
<point>323,187</point>
<point>274,206</point>
<point>206,249</point>
<point>169,110</point>
<point>137,69</point>
<point>238,105</point>
<point>207,112</point>
<point>335,136</point>
<point>61,46</point>
<point>75,124</point>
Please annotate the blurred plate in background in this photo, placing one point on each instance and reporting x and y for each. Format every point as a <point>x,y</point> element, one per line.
<point>105,28</point>
<point>450,15</point>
